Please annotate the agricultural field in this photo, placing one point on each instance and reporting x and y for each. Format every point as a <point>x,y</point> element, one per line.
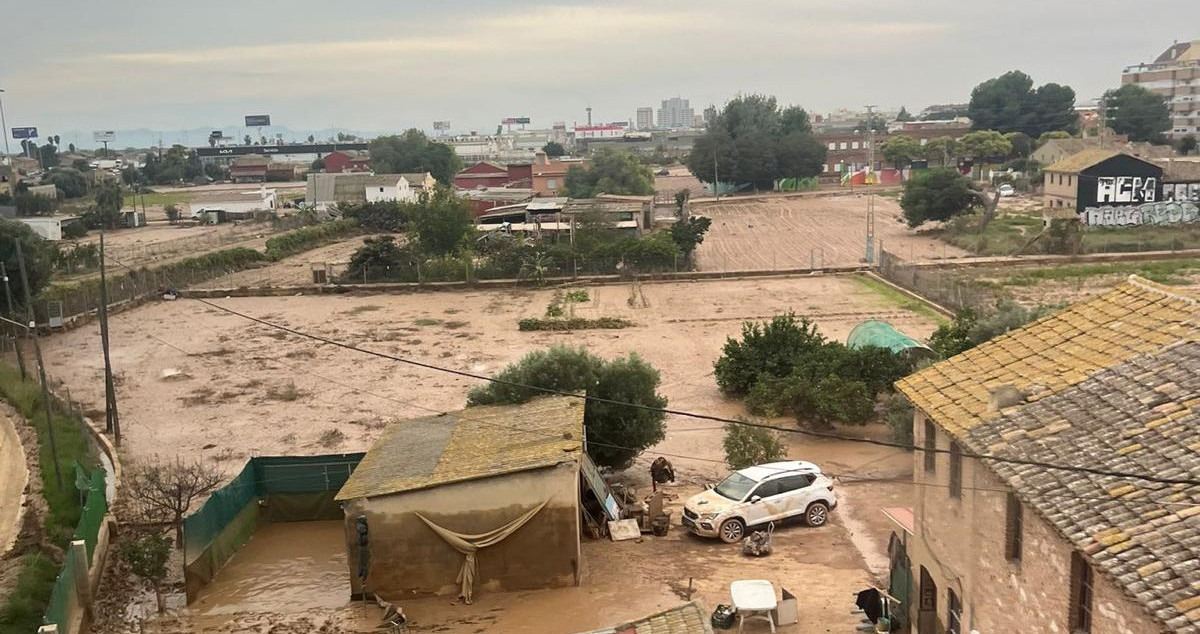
<point>803,231</point>
<point>198,381</point>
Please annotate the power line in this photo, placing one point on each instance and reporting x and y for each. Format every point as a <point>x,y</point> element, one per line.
<point>699,416</point>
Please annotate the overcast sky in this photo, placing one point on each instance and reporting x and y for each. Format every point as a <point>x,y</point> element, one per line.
<point>392,64</point>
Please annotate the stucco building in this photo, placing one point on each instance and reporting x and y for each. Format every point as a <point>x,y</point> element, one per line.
<point>487,498</point>
<point>1101,178</point>
<point>1030,540</point>
<point>1175,74</point>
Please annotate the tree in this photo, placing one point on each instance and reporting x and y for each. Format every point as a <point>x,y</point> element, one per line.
<point>163,491</point>
<point>317,165</point>
<point>109,200</point>
<point>754,141</point>
<point>1138,112</point>
<point>147,556</point>
<point>688,233</point>
<point>554,149</point>
<point>379,254</point>
<point>746,446</point>
<point>246,140</point>
<point>943,150</point>
<point>444,222</point>
<point>1051,135</point>
<point>1021,144</point>
<point>901,150</point>
<point>69,181</point>
<point>936,195</point>
<point>985,145</point>
<point>414,152</point>
<point>311,139</point>
<point>1009,103</point>
<point>611,172</point>
<point>970,328</point>
<point>81,164</point>
<point>172,212</point>
<point>48,155</point>
<point>71,148</point>
<point>1187,144</point>
<point>616,433</point>
<point>903,115</point>
<point>38,254</point>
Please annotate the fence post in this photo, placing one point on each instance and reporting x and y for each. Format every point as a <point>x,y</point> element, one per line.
<point>83,586</point>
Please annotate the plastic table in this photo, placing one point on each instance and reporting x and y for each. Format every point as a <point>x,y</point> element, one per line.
<point>754,599</point>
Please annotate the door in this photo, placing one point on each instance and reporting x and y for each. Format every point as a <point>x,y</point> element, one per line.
<point>927,621</point>
<point>762,505</point>
<point>796,493</point>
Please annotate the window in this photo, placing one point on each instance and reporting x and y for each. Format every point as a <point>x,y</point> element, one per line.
<point>953,613</point>
<point>1081,594</point>
<point>854,145</point>
<point>843,145</point>
<point>767,489</point>
<point>1014,526</point>
<point>551,183</point>
<point>930,446</point>
<point>955,470</point>
<point>832,145</point>
<point>791,483</point>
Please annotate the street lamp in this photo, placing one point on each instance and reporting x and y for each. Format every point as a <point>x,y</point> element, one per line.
<point>3,125</point>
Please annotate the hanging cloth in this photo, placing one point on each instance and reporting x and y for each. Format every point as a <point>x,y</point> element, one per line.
<point>469,544</point>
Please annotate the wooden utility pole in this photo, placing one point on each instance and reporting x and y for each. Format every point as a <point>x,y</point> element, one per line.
<point>112,421</point>
<point>16,338</point>
<point>37,351</point>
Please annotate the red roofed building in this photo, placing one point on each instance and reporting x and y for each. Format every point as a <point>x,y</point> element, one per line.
<point>482,174</point>
<point>339,161</point>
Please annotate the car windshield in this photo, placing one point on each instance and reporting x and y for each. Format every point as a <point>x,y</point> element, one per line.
<point>735,487</point>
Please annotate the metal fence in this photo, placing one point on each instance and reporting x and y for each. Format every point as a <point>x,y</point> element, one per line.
<point>938,284</point>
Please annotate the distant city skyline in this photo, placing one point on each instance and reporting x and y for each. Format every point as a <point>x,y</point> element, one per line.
<point>318,66</point>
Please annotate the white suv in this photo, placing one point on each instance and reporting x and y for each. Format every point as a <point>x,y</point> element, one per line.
<point>760,494</point>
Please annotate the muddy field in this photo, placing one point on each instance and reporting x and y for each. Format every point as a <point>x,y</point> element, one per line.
<point>160,242</point>
<point>799,232</point>
<point>195,380</point>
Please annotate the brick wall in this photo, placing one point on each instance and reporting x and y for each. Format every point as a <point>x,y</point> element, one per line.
<point>961,543</point>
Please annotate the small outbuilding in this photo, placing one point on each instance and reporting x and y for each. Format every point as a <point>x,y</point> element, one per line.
<point>487,497</point>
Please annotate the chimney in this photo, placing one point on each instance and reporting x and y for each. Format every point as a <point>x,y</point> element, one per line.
<point>589,113</point>
<point>1003,396</point>
<point>539,158</point>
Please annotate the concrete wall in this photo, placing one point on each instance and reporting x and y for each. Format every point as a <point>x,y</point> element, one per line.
<point>408,558</point>
<point>961,543</point>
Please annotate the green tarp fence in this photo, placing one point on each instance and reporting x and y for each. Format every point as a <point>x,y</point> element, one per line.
<point>269,488</point>
<point>64,607</point>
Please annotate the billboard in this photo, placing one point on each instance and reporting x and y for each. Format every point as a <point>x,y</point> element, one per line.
<point>512,120</point>
<point>441,125</point>
<point>104,136</point>
<point>24,133</point>
<point>257,120</point>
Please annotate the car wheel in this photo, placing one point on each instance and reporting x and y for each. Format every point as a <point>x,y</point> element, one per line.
<point>816,514</point>
<point>732,531</point>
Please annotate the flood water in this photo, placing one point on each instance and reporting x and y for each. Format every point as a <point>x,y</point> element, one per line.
<point>285,567</point>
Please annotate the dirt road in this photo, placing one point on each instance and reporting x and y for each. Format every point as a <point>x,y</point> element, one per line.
<point>792,233</point>
<point>14,475</point>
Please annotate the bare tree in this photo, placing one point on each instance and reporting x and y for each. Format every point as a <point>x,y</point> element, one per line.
<point>989,206</point>
<point>162,491</point>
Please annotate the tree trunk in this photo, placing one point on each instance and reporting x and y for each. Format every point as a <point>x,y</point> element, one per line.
<point>989,207</point>
<point>158,598</point>
<point>178,531</point>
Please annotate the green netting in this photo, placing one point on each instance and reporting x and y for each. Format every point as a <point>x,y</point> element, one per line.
<point>203,526</point>
<point>881,334</point>
<point>303,474</point>
<point>63,601</point>
<point>95,508</point>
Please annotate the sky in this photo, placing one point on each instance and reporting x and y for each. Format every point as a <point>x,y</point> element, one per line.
<point>386,65</point>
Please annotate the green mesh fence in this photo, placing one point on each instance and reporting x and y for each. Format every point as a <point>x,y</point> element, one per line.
<point>269,488</point>
<point>64,602</point>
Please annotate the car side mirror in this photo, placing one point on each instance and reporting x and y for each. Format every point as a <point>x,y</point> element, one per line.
<point>755,499</point>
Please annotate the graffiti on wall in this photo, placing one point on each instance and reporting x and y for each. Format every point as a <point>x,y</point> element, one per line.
<point>1146,214</point>
<point>1181,192</point>
<point>1126,189</point>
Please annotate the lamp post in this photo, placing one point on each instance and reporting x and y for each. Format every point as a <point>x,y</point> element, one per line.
<point>3,125</point>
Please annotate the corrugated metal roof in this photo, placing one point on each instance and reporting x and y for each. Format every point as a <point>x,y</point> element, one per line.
<point>477,442</point>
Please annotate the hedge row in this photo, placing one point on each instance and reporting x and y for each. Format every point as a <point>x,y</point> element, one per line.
<point>573,323</point>
<point>305,238</point>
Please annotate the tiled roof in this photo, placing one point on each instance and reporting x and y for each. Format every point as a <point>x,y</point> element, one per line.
<point>688,618</point>
<point>1141,416</point>
<point>417,179</point>
<point>477,442</point>
<point>1053,353</point>
<point>1082,160</point>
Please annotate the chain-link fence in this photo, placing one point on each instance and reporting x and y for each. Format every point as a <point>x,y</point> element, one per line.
<point>938,284</point>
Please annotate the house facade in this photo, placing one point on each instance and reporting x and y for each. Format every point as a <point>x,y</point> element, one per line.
<point>341,161</point>
<point>1175,74</point>
<point>547,177</point>
<point>1028,541</point>
<point>1104,186</point>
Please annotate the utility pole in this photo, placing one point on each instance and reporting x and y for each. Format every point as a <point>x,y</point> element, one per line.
<point>112,422</point>
<point>12,313</point>
<point>716,178</point>
<point>37,351</point>
<point>4,128</point>
<point>870,254</point>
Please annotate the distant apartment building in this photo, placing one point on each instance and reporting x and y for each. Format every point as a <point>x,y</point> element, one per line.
<point>675,113</point>
<point>710,113</point>
<point>1175,75</point>
<point>645,118</point>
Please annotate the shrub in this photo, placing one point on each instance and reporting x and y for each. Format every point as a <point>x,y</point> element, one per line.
<point>747,446</point>
<point>769,348</point>
<point>306,238</point>
<point>390,216</point>
<point>573,323</point>
<point>616,434</point>
<point>900,418</point>
<point>969,328</point>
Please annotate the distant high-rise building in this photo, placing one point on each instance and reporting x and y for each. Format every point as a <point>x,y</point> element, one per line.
<point>645,118</point>
<point>675,113</point>
<point>1174,75</point>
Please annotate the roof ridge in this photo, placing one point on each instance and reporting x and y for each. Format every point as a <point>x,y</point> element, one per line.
<point>1162,289</point>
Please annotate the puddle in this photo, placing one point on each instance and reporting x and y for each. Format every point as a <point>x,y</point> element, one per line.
<point>286,567</point>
